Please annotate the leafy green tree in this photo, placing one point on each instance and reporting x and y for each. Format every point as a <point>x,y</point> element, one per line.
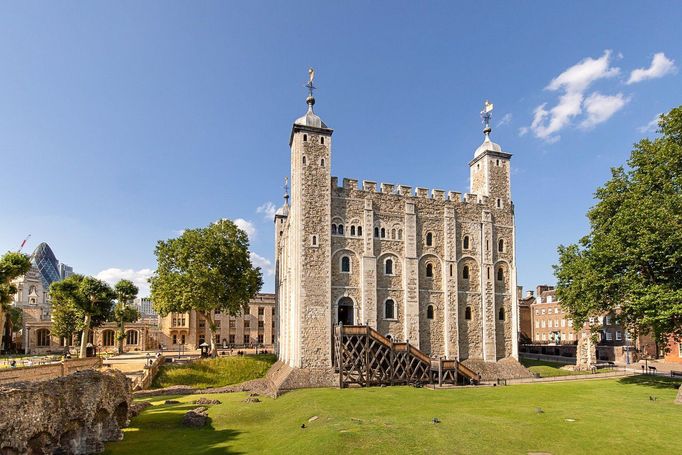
<point>631,260</point>
<point>66,320</point>
<point>205,269</point>
<point>12,265</point>
<point>126,292</point>
<point>90,298</point>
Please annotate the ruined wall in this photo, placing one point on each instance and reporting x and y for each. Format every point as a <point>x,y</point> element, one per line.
<point>74,414</point>
<point>49,371</point>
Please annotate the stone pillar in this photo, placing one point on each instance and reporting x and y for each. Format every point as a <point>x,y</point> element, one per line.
<point>369,269</point>
<point>451,323</point>
<point>411,276</point>
<point>586,353</point>
<point>487,288</point>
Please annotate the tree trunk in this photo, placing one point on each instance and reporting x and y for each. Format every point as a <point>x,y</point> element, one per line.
<point>84,337</point>
<point>3,341</point>
<point>121,335</point>
<point>211,327</point>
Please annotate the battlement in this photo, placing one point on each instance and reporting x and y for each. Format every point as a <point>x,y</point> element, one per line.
<point>391,189</point>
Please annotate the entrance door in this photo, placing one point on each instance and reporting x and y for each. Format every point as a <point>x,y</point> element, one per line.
<point>345,315</point>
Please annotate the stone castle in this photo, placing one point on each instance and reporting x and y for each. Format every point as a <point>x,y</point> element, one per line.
<point>434,268</point>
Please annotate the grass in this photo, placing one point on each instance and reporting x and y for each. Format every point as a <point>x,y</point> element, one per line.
<point>548,369</point>
<point>217,372</point>
<point>598,416</point>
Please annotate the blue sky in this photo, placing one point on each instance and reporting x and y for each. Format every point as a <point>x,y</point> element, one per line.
<point>123,123</point>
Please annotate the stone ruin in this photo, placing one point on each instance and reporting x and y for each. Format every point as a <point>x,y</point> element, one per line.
<point>586,353</point>
<point>75,414</point>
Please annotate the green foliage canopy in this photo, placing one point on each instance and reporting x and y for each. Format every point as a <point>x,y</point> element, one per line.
<point>12,265</point>
<point>632,258</point>
<point>205,269</point>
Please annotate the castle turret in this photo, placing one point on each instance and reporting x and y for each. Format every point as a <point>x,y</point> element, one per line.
<point>490,168</point>
<point>310,239</point>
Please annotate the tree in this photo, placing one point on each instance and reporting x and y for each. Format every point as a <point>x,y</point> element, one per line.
<point>12,265</point>
<point>126,292</point>
<point>88,297</point>
<point>66,320</point>
<point>631,261</point>
<point>205,270</point>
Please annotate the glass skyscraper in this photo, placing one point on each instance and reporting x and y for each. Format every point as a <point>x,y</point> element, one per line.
<point>49,267</point>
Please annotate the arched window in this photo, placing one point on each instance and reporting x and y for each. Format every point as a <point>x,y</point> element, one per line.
<point>465,272</point>
<point>322,162</point>
<point>392,234</point>
<point>429,312</point>
<point>500,314</point>
<point>465,242</point>
<point>43,338</point>
<point>314,242</point>
<point>334,229</point>
<point>500,245</point>
<point>322,140</point>
<point>400,234</point>
<point>467,313</point>
<point>429,270</point>
<point>131,337</point>
<point>359,231</point>
<point>451,267</point>
<point>305,138</point>
<point>500,274</point>
<point>429,239</point>
<point>345,264</point>
<point>352,230</point>
<point>376,232</point>
<point>383,233</point>
<point>108,338</point>
<point>303,159</point>
<point>389,309</point>
<point>388,266</point>
<point>340,229</point>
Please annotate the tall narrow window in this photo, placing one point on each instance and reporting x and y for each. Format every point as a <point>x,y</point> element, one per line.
<point>359,230</point>
<point>389,309</point>
<point>467,313</point>
<point>303,159</point>
<point>345,264</point>
<point>429,239</point>
<point>376,232</point>
<point>305,138</point>
<point>352,230</point>
<point>500,274</point>
<point>429,312</point>
<point>429,270</point>
<point>465,242</point>
<point>451,267</point>
<point>383,233</point>
<point>322,162</point>
<point>322,140</point>
<point>499,203</point>
<point>500,314</point>
<point>392,234</point>
<point>334,229</point>
<point>465,272</point>
<point>389,267</point>
<point>500,245</point>
<point>314,240</point>
<point>400,234</point>
<point>340,229</point>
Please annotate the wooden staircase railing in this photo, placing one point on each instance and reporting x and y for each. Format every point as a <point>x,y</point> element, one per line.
<point>364,357</point>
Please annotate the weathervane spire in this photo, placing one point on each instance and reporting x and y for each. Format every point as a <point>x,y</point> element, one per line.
<point>486,115</point>
<point>311,99</point>
<point>286,191</point>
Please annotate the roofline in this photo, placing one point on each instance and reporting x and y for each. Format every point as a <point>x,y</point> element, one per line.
<point>295,127</point>
<point>504,155</point>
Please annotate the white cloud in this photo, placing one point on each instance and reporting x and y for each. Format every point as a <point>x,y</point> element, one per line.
<point>650,127</point>
<point>246,226</point>
<point>264,263</point>
<point>573,83</point>
<point>505,120</point>
<point>268,210</point>
<point>523,131</point>
<point>660,66</point>
<point>600,108</point>
<point>138,277</point>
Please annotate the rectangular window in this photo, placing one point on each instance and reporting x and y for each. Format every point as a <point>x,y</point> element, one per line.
<point>609,336</point>
<point>202,324</point>
<point>542,324</point>
<point>231,339</point>
<point>261,324</point>
<point>175,339</point>
<point>261,311</point>
<point>563,323</point>
<point>607,320</point>
<point>618,335</point>
<point>260,339</point>
<point>537,324</point>
<point>247,340</point>
<point>232,323</point>
<point>272,340</point>
<point>247,324</point>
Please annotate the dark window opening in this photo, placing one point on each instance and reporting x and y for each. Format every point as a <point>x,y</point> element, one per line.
<point>389,309</point>
<point>500,274</point>
<point>467,313</point>
<point>359,230</point>
<point>383,233</point>
<point>352,230</point>
<point>465,272</point>
<point>314,240</point>
<point>340,229</point>
<point>389,267</point>
<point>429,312</point>
<point>305,138</point>
<point>429,270</point>
<point>304,160</point>
<point>334,229</point>
<point>429,239</point>
<point>322,142</point>
<point>465,243</point>
<point>322,162</point>
<point>500,245</point>
<point>345,264</point>
<point>376,232</point>
<point>500,315</point>
<point>451,267</point>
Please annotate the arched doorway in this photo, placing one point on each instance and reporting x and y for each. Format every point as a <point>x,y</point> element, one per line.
<point>345,311</point>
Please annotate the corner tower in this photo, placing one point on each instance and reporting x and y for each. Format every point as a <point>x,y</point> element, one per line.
<point>310,240</point>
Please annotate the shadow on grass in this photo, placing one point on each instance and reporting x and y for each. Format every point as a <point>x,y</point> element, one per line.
<point>659,382</point>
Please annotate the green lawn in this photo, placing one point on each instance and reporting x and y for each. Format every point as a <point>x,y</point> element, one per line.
<point>217,372</point>
<point>578,417</point>
<point>547,369</point>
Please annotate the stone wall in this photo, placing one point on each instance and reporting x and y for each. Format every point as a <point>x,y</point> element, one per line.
<point>73,414</point>
<point>50,371</point>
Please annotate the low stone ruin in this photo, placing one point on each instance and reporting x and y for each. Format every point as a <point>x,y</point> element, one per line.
<point>75,414</point>
<point>197,417</point>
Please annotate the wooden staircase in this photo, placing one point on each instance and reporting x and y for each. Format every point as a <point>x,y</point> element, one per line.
<point>362,356</point>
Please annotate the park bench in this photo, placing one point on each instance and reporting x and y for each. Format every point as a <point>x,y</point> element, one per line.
<point>674,373</point>
<point>602,365</point>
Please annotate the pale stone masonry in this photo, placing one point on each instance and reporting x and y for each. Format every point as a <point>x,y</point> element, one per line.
<point>432,267</point>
